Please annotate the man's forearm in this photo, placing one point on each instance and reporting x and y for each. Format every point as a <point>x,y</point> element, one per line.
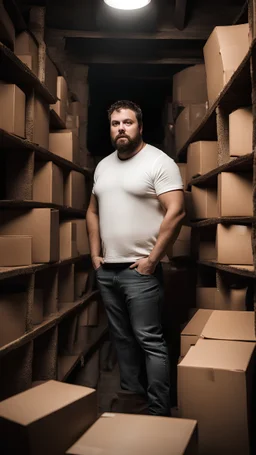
<point>93,229</point>
<point>169,231</point>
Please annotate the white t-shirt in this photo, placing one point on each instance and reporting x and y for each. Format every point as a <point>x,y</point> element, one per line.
<point>130,213</point>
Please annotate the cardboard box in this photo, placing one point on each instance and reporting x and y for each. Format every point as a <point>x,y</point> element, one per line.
<point>234,244</point>
<point>230,298</point>
<point>61,106</point>
<point>204,201</point>
<point>41,224</point>
<point>40,120</point>
<point>12,117</point>
<point>47,418</point>
<point>38,307</point>
<point>65,143</point>
<point>25,44</point>
<point>191,333</point>
<point>214,388</point>
<point>73,123</point>
<point>223,52</point>
<point>240,132</point>
<point>202,157</point>
<point>235,194</point>
<point>27,60</point>
<point>187,123</point>
<point>75,191</point>
<point>7,29</point>
<point>51,75</point>
<point>182,245</point>
<point>48,183</point>
<point>207,245</point>
<point>189,86</point>
<point>151,435</point>
<point>206,297</point>
<point>15,250</point>
<point>68,246</point>
<point>230,326</point>
<point>183,172</point>
<point>81,236</point>
<point>13,317</point>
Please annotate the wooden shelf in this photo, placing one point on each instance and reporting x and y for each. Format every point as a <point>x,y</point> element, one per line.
<point>15,15</point>
<point>17,204</point>
<point>56,123</point>
<point>10,272</point>
<point>223,220</point>
<point>241,164</point>
<point>236,93</point>
<point>13,70</point>
<point>247,271</point>
<point>11,142</point>
<point>50,322</point>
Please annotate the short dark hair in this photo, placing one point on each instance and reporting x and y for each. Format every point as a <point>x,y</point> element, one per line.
<point>125,104</point>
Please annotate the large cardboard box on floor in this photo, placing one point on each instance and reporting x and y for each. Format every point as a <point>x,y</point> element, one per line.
<point>150,435</point>
<point>191,333</point>
<point>204,202</point>
<point>41,224</point>
<point>25,44</point>
<point>75,190</point>
<point>202,157</point>
<point>189,86</point>
<point>230,326</point>
<point>38,122</point>
<point>235,194</point>
<point>48,183</point>
<point>214,388</point>
<point>240,132</point>
<point>187,122</point>
<point>15,250</point>
<point>82,240</point>
<point>65,143</point>
<point>7,29</point>
<point>234,244</point>
<point>61,106</point>
<point>12,117</point>
<point>223,52</point>
<point>46,419</point>
<point>13,317</point>
<point>68,246</point>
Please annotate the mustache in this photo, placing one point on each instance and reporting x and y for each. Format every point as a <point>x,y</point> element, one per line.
<point>121,136</point>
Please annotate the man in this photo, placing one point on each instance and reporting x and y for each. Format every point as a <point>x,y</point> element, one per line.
<point>135,212</point>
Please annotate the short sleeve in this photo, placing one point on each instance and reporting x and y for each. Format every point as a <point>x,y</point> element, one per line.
<point>95,177</point>
<point>166,175</point>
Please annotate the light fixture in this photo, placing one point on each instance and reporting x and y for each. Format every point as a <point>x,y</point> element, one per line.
<point>127,4</point>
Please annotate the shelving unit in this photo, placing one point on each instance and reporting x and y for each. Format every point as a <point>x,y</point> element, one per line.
<point>35,355</point>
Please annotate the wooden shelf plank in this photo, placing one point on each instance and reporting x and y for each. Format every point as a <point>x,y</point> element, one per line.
<point>241,164</point>
<point>236,93</point>
<point>13,70</point>
<point>17,204</point>
<point>50,322</point>
<point>10,272</point>
<point>11,142</point>
<point>223,220</point>
<point>247,271</point>
<point>56,123</point>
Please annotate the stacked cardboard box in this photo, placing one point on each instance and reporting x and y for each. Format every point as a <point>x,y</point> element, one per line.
<point>240,132</point>
<point>61,107</point>
<point>12,117</point>
<point>65,143</point>
<point>226,350</point>
<point>202,157</point>
<point>48,183</point>
<point>68,245</point>
<point>26,48</point>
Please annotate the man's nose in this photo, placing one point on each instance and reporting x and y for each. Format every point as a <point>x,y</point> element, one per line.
<point>121,127</point>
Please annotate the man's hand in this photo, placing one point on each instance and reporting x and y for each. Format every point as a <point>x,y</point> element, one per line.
<point>97,261</point>
<point>144,266</point>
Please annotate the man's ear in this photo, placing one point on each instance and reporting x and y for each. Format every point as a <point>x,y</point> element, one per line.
<point>141,129</point>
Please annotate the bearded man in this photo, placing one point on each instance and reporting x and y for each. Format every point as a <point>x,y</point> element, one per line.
<point>135,213</point>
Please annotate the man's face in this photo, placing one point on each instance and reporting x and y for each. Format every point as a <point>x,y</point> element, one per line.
<point>125,131</point>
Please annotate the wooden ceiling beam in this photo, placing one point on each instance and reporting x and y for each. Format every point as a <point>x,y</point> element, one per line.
<point>180,14</point>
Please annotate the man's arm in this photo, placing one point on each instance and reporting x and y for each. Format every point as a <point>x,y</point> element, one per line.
<point>173,203</point>
<point>93,229</point>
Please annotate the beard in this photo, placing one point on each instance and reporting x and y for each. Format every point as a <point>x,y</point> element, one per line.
<point>127,146</point>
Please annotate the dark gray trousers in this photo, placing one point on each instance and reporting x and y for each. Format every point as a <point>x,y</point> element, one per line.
<point>133,303</point>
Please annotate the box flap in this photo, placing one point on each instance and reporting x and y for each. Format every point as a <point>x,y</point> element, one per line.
<point>197,323</point>
<point>138,435</point>
<point>230,325</point>
<point>36,403</point>
<point>219,354</point>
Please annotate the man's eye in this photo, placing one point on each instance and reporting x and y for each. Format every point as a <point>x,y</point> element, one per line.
<point>114,124</point>
<point>128,123</point>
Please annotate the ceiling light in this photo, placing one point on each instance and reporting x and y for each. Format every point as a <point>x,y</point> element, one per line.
<point>127,4</point>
